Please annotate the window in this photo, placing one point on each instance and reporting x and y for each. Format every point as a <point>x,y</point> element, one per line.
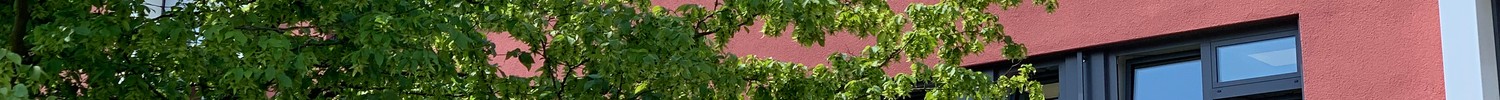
<point>1257,59</point>
<point>1046,74</point>
<point>1262,63</point>
<point>1260,60</point>
<point>1052,90</point>
<point>1171,81</point>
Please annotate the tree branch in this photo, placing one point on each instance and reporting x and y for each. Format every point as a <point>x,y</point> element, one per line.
<point>402,92</point>
<point>888,58</point>
<point>475,2</point>
<point>330,42</point>
<point>705,18</point>
<point>276,29</point>
<point>741,23</point>
<point>16,42</point>
<point>171,15</point>
<point>564,83</point>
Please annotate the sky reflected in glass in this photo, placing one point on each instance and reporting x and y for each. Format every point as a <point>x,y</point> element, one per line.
<point>1176,81</point>
<point>1257,59</point>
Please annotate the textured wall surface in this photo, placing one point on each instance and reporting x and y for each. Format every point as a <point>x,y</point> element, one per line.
<point>1372,49</point>
<point>1352,49</point>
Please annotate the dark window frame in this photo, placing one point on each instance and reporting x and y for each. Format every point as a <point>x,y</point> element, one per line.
<point>1212,53</point>
<point>1117,61</point>
<point>1123,61</point>
<point>1048,71</point>
<point>1494,33</point>
<point>1251,86</point>
<point>1131,65</point>
<point>1100,72</point>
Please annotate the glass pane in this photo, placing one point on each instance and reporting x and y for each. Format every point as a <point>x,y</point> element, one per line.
<point>1051,90</point>
<point>1257,59</point>
<point>1176,81</point>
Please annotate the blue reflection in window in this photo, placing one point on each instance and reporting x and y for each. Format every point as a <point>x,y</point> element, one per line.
<point>1257,59</point>
<point>1176,81</point>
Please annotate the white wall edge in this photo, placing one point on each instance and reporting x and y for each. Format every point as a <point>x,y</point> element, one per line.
<point>1468,44</point>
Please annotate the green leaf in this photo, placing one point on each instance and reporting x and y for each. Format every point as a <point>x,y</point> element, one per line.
<point>19,90</point>
<point>5,77</point>
<point>274,42</point>
<point>269,75</point>
<point>641,86</point>
<point>525,60</point>
<point>286,82</point>
<point>5,91</point>
<point>36,73</point>
<point>233,73</point>
<point>82,30</point>
<point>592,84</point>
<point>10,58</point>
<point>691,11</point>
<point>237,36</point>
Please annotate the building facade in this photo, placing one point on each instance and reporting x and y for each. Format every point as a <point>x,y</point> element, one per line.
<point>1221,49</point>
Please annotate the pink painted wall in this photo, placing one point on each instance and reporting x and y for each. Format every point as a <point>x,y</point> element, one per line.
<point>1352,49</point>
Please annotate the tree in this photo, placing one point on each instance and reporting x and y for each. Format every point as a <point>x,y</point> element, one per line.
<point>585,49</point>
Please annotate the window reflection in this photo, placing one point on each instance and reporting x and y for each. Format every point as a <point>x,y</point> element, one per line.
<point>1257,59</point>
<point>1051,90</point>
<point>1175,81</point>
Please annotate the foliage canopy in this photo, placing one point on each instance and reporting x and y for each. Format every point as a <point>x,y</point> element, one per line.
<point>587,49</point>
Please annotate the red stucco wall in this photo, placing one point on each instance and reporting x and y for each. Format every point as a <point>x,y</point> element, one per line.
<point>1371,49</point>
<point>1352,49</point>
